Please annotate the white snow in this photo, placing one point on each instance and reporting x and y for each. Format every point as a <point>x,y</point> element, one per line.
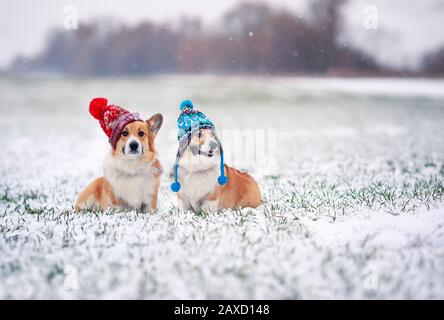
<point>353,201</point>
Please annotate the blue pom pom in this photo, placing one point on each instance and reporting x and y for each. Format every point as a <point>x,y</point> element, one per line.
<point>175,186</point>
<point>222,180</point>
<point>186,104</point>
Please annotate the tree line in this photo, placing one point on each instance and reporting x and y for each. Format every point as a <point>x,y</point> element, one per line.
<point>252,38</point>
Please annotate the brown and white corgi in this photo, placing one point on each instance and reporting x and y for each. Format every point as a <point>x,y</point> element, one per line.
<point>199,169</point>
<point>132,171</point>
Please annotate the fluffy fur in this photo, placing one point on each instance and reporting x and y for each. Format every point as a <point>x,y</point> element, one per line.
<point>199,170</point>
<point>131,172</point>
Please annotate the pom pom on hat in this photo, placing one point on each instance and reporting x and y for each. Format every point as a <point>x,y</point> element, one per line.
<point>186,104</point>
<point>112,118</point>
<point>97,107</point>
<point>222,180</point>
<point>175,186</point>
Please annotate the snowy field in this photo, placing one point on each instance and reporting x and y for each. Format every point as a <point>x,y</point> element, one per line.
<point>353,193</point>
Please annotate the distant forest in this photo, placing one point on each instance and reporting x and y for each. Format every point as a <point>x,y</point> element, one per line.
<point>253,38</point>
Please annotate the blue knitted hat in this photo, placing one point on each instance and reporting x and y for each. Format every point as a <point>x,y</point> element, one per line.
<point>191,120</point>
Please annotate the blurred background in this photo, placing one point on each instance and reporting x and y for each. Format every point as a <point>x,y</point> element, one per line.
<point>283,37</point>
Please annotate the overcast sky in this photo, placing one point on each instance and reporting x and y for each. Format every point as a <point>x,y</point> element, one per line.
<point>406,29</point>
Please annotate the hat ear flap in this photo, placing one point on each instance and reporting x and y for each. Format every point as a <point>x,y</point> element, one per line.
<point>222,179</point>
<point>97,107</point>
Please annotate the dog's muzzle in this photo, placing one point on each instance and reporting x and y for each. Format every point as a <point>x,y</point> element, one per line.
<point>197,150</point>
<point>132,147</point>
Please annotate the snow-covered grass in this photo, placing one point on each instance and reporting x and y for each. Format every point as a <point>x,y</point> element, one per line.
<point>353,193</point>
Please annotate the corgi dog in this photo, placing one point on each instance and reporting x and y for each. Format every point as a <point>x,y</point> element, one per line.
<point>132,170</point>
<point>199,169</point>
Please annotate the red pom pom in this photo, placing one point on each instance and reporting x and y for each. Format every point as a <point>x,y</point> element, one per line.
<point>97,107</point>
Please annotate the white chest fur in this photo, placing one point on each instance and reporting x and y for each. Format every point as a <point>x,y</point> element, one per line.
<point>197,186</point>
<point>133,181</point>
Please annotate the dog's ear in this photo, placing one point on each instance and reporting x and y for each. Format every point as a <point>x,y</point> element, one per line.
<point>155,122</point>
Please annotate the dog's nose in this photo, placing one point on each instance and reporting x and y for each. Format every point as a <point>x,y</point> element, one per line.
<point>134,145</point>
<point>213,145</point>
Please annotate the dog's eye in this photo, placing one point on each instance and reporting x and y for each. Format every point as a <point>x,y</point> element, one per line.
<point>141,133</point>
<point>124,133</point>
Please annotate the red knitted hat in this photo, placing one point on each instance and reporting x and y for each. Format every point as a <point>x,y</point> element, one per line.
<point>112,118</point>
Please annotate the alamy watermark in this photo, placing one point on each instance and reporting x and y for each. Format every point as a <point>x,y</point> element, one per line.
<point>244,147</point>
<point>371,278</point>
<point>71,280</point>
<point>371,18</point>
<point>71,21</point>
